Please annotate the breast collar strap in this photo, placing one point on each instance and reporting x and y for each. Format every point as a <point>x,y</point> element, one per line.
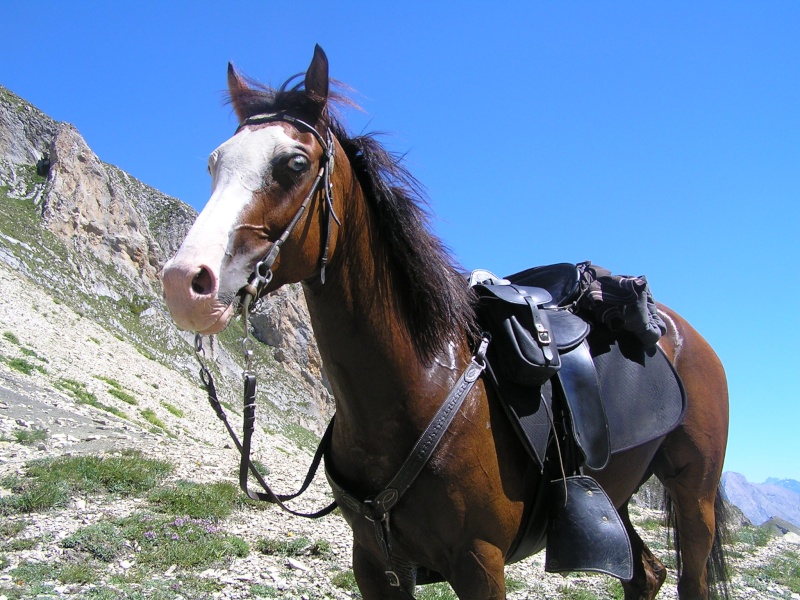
<point>262,274</point>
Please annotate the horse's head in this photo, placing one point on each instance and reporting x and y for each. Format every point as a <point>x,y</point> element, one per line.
<point>270,192</point>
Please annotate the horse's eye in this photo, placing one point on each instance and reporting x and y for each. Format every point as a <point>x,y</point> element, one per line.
<point>298,163</point>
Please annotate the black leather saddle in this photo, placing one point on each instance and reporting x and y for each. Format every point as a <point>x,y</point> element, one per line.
<point>610,393</point>
<point>617,393</point>
<point>539,347</point>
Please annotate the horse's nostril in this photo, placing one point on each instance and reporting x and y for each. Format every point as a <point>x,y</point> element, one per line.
<point>203,282</point>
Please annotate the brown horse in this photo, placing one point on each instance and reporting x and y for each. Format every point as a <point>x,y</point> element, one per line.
<point>393,322</point>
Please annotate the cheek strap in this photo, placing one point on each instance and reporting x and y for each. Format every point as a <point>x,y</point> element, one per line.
<point>262,274</point>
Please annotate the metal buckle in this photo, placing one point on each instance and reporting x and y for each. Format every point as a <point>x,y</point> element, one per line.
<point>394,580</point>
<point>542,334</point>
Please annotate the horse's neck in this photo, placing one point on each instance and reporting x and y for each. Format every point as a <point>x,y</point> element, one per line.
<point>385,394</point>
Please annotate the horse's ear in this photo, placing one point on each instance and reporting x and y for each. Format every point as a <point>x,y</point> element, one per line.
<point>316,82</point>
<point>238,90</point>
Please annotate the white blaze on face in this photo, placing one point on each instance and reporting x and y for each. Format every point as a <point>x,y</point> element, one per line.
<point>239,168</point>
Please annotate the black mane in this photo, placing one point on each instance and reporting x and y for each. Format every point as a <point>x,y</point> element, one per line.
<point>435,303</point>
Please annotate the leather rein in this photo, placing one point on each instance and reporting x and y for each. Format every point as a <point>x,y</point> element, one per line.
<point>375,508</point>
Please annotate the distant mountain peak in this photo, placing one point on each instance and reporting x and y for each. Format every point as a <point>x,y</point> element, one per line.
<point>790,484</point>
<point>761,502</point>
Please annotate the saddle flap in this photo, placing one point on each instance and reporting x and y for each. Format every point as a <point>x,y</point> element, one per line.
<point>569,330</point>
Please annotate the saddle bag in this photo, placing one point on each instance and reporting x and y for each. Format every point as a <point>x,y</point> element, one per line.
<point>521,333</point>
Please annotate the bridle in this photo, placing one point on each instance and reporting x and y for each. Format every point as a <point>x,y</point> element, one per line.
<point>376,508</point>
<point>262,274</point>
<point>251,293</point>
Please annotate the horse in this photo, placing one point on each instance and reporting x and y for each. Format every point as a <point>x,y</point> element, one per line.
<point>395,326</point>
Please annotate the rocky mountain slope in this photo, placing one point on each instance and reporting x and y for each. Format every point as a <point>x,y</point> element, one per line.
<point>761,501</point>
<point>90,364</point>
<point>96,238</point>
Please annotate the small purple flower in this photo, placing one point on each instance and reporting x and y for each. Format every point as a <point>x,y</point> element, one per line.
<point>175,536</point>
<point>149,535</point>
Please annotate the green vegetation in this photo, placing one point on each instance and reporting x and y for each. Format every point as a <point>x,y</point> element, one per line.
<point>110,381</point>
<point>443,591</point>
<point>31,576</point>
<point>650,524</point>
<point>11,338</point>
<point>293,546</point>
<point>182,541</point>
<point>301,436</point>
<point>575,593</point>
<point>124,396</point>
<point>30,437</point>
<point>23,366</point>
<point>77,390</point>
<point>50,482</point>
<point>83,396</point>
<point>264,591</point>
<point>102,541</point>
<point>173,410</point>
<point>10,529</point>
<point>752,536</point>
<point>345,580</point>
<point>22,544</point>
<point>138,304</point>
<point>514,585</point>
<point>149,415</point>
<point>204,501</point>
<point>783,570</point>
<point>435,591</point>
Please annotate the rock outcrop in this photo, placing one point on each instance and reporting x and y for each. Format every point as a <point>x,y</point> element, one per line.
<point>87,204</point>
<point>25,135</point>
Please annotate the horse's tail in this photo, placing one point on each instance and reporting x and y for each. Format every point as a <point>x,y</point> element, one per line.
<point>717,563</point>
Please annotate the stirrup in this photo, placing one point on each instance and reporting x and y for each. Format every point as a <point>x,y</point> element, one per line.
<point>584,531</point>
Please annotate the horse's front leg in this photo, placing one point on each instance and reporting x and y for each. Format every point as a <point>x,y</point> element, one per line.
<point>479,573</point>
<point>373,583</point>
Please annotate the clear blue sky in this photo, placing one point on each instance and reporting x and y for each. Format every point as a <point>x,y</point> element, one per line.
<point>651,138</point>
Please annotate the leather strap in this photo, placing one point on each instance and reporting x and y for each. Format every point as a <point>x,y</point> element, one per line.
<point>263,270</point>
<point>379,504</point>
<point>376,508</point>
<point>243,447</point>
<point>578,379</point>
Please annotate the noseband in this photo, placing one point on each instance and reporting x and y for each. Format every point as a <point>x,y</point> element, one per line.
<point>262,273</point>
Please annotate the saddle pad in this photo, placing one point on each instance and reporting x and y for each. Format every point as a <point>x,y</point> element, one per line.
<point>642,393</point>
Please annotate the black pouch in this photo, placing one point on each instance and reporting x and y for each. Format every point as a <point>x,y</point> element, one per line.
<point>522,339</point>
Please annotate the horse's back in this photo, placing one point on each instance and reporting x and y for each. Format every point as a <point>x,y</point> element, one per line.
<point>704,431</point>
<point>697,446</point>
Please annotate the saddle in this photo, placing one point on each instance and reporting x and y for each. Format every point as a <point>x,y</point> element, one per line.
<point>552,363</point>
<point>538,345</point>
